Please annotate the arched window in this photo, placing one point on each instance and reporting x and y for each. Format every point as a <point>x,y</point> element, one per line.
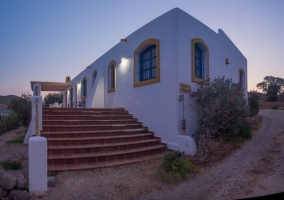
<point>94,77</point>
<point>147,63</point>
<point>200,60</point>
<point>112,76</point>
<point>84,88</point>
<point>242,80</point>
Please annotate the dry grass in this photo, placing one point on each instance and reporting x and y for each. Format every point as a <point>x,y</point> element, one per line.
<point>221,148</point>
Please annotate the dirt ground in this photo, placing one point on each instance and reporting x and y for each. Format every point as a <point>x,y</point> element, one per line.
<point>254,168</point>
<point>268,105</point>
<point>14,151</point>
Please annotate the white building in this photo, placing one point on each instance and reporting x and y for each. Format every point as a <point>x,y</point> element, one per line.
<point>143,73</point>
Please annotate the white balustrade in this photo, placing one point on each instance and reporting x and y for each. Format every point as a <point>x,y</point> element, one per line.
<point>37,145</point>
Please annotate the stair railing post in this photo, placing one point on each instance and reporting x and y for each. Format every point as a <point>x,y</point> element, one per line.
<point>37,146</point>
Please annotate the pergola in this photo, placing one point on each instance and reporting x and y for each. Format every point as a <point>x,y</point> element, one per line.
<point>51,86</point>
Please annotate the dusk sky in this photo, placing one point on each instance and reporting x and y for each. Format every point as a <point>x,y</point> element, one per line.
<point>47,40</point>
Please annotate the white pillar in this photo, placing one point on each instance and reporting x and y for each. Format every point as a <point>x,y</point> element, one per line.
<point>37,115</point>
<point>64,99</point>
<point>36,89</point>
<point>37,164</point>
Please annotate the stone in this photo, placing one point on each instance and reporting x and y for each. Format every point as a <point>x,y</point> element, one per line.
<point>21,181</point>
<point>4,193</point>
<point>50,181</point>
<point>19,195</point>
<point>7,181</point>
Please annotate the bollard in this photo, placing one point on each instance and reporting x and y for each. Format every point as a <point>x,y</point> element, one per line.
<point>37,164</point>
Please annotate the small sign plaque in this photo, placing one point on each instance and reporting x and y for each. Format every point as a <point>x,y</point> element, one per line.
<point>185,88</point>
<point>181,97</point>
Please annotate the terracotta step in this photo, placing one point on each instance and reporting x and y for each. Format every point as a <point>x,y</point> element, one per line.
<point>93,165</point>
<point>62,128</point>
<point>99,139</point>
<point>88,122</point>
<point>80,158</point>
<point>86,117</point>
<point>80,109</point>
<point>81,134</point>
<point>118,112</point>
<point>55,150</point>
<point>90,138</point>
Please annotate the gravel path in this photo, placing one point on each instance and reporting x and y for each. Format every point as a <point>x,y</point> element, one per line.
<point>254,170</point>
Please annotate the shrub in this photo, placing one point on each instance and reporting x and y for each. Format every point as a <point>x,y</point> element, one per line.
<point>12,165</point>
<point>177,167</point>
<point>253,103</point>
<point>8,122</point>
<point>17,141</point>
<point>22,106</point>
<point>169,158</point>
<point>245,131</point>
<point>221,107</point>
<point>13,120</point>
<point>275,107</point>
<point>272,92</point>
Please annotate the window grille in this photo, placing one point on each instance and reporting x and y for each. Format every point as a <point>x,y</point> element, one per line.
<point>199,61</point>
<point>147,60</point>
<point>112,77</point>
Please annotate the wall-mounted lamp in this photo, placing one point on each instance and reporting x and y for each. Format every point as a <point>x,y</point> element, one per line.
<point>123,59</point>
<point>227,61</point>
<point>123,40</point>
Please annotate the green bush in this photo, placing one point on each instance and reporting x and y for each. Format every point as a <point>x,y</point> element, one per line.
<point>177,167</point>
<point>220,106</point>
<point>17,141</point>
<point>169,158</point>
<point>22,107</point>
<point>275,107</point>
<point>13,120</point>
<point>245,131</point>
<point>253,103</point>
<point>12,165</point>
<point>9,122</point>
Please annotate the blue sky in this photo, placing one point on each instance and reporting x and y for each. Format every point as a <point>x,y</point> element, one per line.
<point>47,40</point>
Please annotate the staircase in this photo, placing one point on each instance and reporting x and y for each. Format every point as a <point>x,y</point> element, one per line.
<point>79,138</point>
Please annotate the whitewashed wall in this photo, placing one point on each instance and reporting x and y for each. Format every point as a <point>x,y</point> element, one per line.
<point>157,105</point>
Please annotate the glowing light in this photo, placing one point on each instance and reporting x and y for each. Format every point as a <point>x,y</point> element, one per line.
<point>124,65</point>
<point>123,60</point>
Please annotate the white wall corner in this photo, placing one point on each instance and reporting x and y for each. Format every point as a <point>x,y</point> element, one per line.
<point>183,143</point>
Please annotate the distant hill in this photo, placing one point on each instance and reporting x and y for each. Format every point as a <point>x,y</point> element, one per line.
<point>7,99</point>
